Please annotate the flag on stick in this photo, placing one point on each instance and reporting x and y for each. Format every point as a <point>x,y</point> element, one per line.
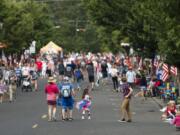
<point>173,70</point>
<point>165,67</point>
<point>165,75</point>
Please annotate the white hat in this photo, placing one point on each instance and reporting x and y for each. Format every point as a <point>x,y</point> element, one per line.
<point>66,78</point>
<point>51,79</point>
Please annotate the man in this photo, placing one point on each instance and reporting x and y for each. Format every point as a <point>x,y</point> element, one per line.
<point>131,77</point>
<point>67,93</point>
<point>39,66</point>
<point>125,107</point>
<point>90,71</point>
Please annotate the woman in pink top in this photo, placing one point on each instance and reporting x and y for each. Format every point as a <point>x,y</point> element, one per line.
<point>52,92</point>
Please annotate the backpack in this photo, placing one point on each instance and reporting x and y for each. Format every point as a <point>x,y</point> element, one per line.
<point>78,74</point>
<point>68,68</point>
<point>66,91</point>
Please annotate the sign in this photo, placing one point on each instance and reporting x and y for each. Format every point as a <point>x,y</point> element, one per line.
<point>32,48</point>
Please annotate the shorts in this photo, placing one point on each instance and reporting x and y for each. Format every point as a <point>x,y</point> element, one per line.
<point>61,73</point>
<point>104,74</point>
<point>67,103</point>
<point>91,79</point>
<point>50,102</point>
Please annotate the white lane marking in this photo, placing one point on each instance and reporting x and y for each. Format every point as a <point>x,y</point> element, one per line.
<point>35,126</point>
<point>44,116</point>
<point>133,113</point>
<point>116,109</point>
<point>113,99</point>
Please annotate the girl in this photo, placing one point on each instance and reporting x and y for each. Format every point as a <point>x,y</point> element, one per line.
<point>176,121</point>
<point>85,104</point>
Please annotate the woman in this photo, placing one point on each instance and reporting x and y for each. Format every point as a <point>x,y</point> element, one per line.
<point>52,92</point>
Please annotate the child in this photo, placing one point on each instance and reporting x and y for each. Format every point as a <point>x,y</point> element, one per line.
<point>170,111</point>
<point>85,104</point>
<point>3,89</point>
<point>176,121</point>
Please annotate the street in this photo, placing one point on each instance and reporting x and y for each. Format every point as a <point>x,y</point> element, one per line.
<point>27,116</point>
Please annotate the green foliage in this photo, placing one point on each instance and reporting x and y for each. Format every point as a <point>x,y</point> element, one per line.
<point>23,22</point>
<point>151,26</point>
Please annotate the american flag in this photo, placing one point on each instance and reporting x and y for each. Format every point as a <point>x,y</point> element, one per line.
<point>140,64</point>
<point>156,63</point>
<point>165,67</point>
<point>173,70</point>
<point>126,61</point>
<point>165,75</point>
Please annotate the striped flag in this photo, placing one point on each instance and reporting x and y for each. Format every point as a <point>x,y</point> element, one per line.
<point>156,63</point>
<point>173,70</point>
<point>165,67</point>
<point>126,62</point>
<point>4,57</point>
<point>165,75</point>
<point>140,64</point>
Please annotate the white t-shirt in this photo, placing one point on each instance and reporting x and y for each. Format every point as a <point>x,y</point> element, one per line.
<point>87,97</point>
<point>25,71</point>
<point>131,76</point>
<point>114,72</point>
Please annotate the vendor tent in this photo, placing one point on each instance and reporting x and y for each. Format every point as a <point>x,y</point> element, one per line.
<point>51,48</point>
<point>2,45</point>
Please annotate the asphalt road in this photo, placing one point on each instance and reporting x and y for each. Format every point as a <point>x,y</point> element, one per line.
<point>27,116</point>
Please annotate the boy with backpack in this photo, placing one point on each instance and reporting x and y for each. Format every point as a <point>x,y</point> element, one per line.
<point>66,95</point>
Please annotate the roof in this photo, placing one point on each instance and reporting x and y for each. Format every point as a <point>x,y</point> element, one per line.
<point>51,47</point>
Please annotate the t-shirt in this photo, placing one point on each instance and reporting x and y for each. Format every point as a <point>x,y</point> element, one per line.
<point>51,90</point>
<point>25,71</point>
<point>90,70</point>
<point>18,72</point>
<point>131,76</point>
<point>125,89</point>
<point>114,72</point>
<point>39,65</point>
<point>65,86</point>
<point>87,97</point>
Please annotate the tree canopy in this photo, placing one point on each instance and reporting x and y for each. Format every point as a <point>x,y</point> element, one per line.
<point>151,26</point>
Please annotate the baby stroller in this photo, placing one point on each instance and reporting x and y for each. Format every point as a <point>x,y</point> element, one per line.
<point>26,85</point>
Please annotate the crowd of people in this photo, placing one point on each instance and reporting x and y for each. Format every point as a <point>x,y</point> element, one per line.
<point>66,75</point>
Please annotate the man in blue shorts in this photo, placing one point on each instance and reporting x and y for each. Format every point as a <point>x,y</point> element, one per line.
<point>67,93</point>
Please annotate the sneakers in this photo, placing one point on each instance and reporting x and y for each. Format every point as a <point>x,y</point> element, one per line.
<point>89,117</point>
<point>123,119</point>
<point>129,121</point>
<point>82,117</point>
<point>70,119</point>
<point>54,119</point>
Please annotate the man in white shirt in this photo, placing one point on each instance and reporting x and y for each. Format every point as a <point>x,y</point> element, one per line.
<point>131,77</point>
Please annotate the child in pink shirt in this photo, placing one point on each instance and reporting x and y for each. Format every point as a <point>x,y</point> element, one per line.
<point>176,121</point>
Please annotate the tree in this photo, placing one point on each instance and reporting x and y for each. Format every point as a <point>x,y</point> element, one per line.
<point>23,22</point>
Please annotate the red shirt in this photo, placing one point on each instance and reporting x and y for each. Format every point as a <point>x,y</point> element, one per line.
<point>51,90</point>
<point>39,65</point>
<point>172,110</point>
